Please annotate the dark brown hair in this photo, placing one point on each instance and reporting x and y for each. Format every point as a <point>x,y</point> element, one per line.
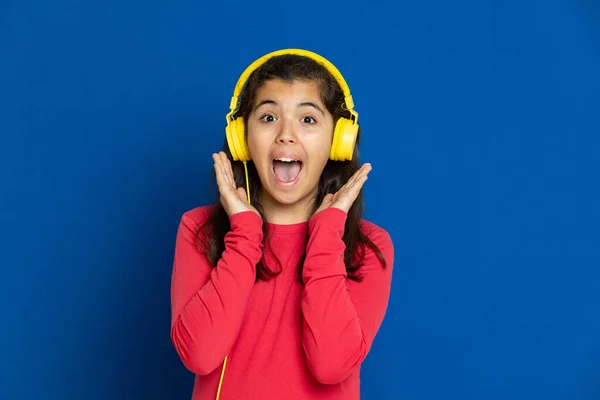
<point>210,236</point>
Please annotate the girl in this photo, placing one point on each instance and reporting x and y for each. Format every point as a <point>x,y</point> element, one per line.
<point>279,289</point>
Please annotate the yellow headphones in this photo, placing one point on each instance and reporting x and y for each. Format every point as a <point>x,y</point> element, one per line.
<point>344,134</point>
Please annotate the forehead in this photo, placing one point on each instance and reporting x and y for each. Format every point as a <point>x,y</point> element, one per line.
<point>296,89</point>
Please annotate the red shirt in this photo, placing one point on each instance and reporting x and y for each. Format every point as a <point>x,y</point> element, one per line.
<point>285,339</point>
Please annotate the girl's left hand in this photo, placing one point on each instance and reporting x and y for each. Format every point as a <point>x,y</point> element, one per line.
<point>344,198</point>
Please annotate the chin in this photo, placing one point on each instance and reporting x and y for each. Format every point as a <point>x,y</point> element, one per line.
<point>289,198</point>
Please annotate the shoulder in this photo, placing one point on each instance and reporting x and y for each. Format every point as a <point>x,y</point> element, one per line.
<point>191,223</point>
<point>198,215</point>
<point>379,247</point>
<point>193,219</point>
<point>379,235</point>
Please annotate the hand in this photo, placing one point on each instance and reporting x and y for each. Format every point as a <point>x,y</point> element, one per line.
<point>234,200</point>
<point>344,198</point>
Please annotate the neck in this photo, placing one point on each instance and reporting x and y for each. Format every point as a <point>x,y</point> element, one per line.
<point>286,214</point>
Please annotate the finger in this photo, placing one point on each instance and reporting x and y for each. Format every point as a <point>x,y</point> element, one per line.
<point>367,168</point>
<point>326,202</point>
<point>349,195</point>
<point>241,192</point>
<point>328,198</point>
<point>217,165</point>
<point>222,181</point>
<point>348,185</point>
<point>363,173</point>
<point>354,190</point>
<point>363,170</point>
<point>227,168</point>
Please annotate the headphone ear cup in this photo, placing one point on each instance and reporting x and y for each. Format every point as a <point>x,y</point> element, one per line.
<point>236,140</point>
<point>344,139</point>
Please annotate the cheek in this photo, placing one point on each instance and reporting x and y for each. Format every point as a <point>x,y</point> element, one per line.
<point>319,155</point>
<point>324,146</point>
<point>256,146</point>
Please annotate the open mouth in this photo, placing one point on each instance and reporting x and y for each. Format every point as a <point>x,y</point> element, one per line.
<point>287,170</point>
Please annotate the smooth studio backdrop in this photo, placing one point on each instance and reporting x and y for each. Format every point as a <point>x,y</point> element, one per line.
<point>481,120</point>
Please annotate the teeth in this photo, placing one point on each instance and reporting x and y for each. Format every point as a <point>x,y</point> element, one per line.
<point>285,159</point>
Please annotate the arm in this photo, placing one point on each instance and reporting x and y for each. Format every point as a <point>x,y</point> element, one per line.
<point>341,317</point>
<point>208,304</point>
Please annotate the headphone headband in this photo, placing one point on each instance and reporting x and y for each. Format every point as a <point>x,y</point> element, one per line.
<point>348,101</point>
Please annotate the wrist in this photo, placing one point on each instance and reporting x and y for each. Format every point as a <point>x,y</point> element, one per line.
<point>332,216</point>
<point>245,218</point>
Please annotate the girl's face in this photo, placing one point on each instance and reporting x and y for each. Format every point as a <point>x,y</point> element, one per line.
<point>289,137</point>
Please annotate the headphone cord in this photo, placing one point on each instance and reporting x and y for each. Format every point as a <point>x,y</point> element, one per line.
<point>225,361</point>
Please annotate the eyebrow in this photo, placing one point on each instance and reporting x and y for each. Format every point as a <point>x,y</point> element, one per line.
<point>303,104</point>
<point>311,104</point>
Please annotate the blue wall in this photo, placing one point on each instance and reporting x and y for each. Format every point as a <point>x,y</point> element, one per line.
<point>481,119</point>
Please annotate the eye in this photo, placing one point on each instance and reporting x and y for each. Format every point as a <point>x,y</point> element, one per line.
<point>308,120</point>
<point>267,118</point>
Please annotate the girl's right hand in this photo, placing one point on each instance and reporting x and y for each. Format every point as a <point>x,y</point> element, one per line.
<point>234,200</point>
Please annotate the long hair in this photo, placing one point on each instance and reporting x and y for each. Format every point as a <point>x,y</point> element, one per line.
<point>210,236</point>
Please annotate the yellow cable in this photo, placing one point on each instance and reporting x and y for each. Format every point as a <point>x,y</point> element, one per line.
<point>247,182</point>
<point>221,380</point>
<point>225,361</point>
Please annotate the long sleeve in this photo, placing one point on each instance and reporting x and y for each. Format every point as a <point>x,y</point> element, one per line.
<point>341,317</point>
<point>208,304</point>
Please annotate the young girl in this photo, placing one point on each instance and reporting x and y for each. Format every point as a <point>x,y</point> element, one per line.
<point>279,289</point>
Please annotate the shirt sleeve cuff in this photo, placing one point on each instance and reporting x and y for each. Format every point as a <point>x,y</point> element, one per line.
<point>334,217</point>
<point>246,220</point>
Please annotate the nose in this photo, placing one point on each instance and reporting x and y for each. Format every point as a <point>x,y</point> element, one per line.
<point>287,133</point>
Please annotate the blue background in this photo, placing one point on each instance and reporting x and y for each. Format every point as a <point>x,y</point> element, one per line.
<point>481,120</point>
